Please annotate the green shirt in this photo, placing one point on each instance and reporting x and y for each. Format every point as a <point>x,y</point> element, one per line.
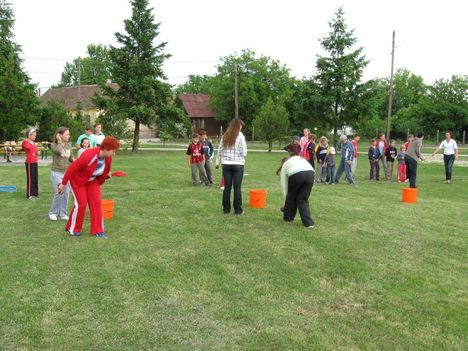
<point>92,139</point>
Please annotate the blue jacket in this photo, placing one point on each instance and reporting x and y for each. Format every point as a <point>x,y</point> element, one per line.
<point>347,151</point>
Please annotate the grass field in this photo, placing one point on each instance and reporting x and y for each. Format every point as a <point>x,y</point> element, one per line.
<point>175,274</point>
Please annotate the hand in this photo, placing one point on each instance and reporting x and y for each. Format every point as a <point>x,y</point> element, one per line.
<point>349,162</point>
<point>60,188</point>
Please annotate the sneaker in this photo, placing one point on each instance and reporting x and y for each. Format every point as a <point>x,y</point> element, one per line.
<point>221,187</point>
<point>100,235</point>
<point>240,214</point>
<point>73,234</point>
<point>448,181</point>
<point>52,217</point>
<point>311,226</point>
<point>64,218</point>
<point>32,198</point>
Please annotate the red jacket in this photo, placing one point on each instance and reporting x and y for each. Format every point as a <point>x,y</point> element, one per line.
<point>84,166</point>
<point>30,150</point>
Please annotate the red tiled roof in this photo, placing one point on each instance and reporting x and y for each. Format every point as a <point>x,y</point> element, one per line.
<point>197,105</point>
<point>68,97</point>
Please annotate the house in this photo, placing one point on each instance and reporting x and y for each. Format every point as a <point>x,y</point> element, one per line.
<point>69,97</point>
<point>200,114</point>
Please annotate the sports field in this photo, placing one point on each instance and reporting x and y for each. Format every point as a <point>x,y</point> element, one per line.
<point>176,274</point>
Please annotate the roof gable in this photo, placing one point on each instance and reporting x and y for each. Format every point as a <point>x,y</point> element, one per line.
<point>197,105</point>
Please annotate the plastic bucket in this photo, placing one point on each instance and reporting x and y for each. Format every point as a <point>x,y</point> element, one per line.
<point>410,195</point>
<point>107,208</point>
<point>258,198</point>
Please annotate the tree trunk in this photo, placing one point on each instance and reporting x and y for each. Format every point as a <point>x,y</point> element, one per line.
<point>270,145</point>
<point>136,136</point>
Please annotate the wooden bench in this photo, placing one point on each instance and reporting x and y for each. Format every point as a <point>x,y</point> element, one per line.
<point>42,147</point>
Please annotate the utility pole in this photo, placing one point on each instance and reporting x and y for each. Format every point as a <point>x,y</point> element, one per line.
<point>236,94</point>
<point>79,79</point>
<point>390,93</point>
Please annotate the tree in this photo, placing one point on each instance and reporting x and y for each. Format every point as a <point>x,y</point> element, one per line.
<point>93,69</point>
<point>196,85</point>
<point>258,79</point>
<point>54,116</point>
<point>339,75</point>
<point>18,100</point>
<point>137,69</point>
<point>171,117</point>
<point>272,122</point>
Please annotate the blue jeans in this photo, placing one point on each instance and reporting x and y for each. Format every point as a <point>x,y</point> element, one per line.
<point>233,175</point>
<point>344,167</point>
<point>330,174</point>
<point>448,162</point>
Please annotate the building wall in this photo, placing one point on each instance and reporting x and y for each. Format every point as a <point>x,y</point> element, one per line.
<point>211,126</point>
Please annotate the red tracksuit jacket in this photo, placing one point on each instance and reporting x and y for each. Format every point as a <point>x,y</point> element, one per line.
<point>84,166</point>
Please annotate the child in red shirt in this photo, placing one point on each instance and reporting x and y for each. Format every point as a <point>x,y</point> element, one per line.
<point>196,161</point>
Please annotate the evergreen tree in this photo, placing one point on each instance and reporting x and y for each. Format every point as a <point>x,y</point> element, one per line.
<point>18,100</point>
<point>339,75</point>
<point>137,69</point>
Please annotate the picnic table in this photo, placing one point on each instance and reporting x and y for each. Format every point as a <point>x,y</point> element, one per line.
<point>14,148</point>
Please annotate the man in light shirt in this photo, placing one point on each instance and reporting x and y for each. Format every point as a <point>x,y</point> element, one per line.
<point>450,155</point>
<point>98,134</point>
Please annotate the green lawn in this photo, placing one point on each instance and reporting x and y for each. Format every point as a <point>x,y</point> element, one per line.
<point>175,274</point>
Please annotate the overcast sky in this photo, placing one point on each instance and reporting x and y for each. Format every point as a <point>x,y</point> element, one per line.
<point>431,36</point>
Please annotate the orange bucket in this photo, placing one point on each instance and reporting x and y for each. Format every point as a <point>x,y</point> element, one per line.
<point>258,198</point>
<point>107,208</point>
<point>410,195</point>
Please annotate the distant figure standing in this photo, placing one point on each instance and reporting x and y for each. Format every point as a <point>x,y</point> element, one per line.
<point>84,146</point>
<point>196,161</point>
<point>347,156</point>
<point>208,152</point>
<point>413,154</point>
<point>401,165</point>
<point>374,155</point>
<point>450,155</point>
<point>382,145</point>
<point>390,157</point>
<point>304,139</point>
<point>98,134</point>
<point>88,134</point>
<point>330,162</point>
<point>30,148</point>
<point>232,151</point>
<point>355,143</point>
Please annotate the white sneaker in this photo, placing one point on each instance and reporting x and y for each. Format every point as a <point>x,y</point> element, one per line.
<point>52,217</point>
<point>311,226</point>
<point>64,218</point>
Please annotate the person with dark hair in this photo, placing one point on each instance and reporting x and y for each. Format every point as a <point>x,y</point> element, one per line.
<point>208,152</point>
<point>62,156</point>
<point>98,134</point>
<point>347,156</point>
<point>32,176</point>
<point>450,155</point>
<point>88,134</point>
<point>84,145</point>
<point>86,175</point>
<point>413,154</point>
<point>382,146</point>
<point>297,180</point>
<point>196,161</point>
<point>232,151</point>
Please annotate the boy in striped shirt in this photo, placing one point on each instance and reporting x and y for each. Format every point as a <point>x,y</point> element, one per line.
<point>196,161</point>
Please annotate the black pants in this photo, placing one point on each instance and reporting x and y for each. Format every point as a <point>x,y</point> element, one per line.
<point>233,175</point>
<point>299,188</point>
<point>411,168</point>
<point>32,187</point>
<point>448,162</point>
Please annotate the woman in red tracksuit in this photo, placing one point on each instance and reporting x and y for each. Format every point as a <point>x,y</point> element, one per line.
<point>86,175</point>
<point>30,149</point>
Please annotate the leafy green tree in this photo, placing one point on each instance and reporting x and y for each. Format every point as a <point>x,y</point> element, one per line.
<point>196,85</point>
<point>339,75</point>
<point>258,79</point>
<point>55,115</point>
<point>137,69</point>
<point>170,117</point>
<point>18,100</point>
<point>92,69</point>
<point>272,122</point>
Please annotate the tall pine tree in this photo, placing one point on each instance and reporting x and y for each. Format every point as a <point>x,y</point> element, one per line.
<point>137,69</point>
<point>339,75</point>
<point>18,100</point>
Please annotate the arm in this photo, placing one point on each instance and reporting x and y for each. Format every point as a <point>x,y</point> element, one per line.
<point>243,146</point>
<point>438,148</point>
<point>418,151</point>
<point>284,181</point>
<point>211,148</point>
<point>189,153</point>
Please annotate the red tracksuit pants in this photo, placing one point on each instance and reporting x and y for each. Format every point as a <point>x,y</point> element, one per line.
<point>88,194</point>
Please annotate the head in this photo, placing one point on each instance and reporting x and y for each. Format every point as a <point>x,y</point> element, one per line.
<point>63,134</point>
<point>343,139</point>
<point>382,136</point>
<point>356,137</point>
<point>31,134</point>
<point>97,128</point>
<point>296,139</point>
<point>332,151</point>
<point>306,132</point>
<point>84,143</point>
<point>203,135</point>
<point>402,148</point>
<point>373,142</point>
<point>232,131</point>
<point>448,135</point>
<point>392,142</point>
<point>88,130</point>
<point>323,140</point>
<point>109,147</point>
<point>283,160</point>
<point>420,135</point>
<point>410,137</point>
<point>293,149</point>
<point>313,138</point>
<point>195,138</point>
